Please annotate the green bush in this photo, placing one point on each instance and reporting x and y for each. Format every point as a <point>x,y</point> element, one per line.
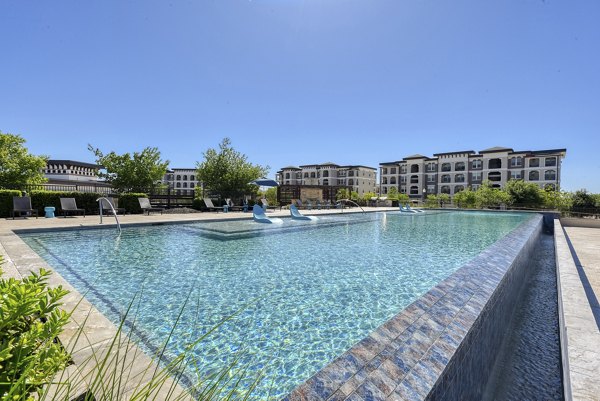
<point>30,322</point>
<point>6,201</point>
<point>84,200</point>
<point>198,204</point>
<point>130,202</point>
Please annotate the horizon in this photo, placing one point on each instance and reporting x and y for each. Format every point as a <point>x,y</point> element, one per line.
<point>299,82</point>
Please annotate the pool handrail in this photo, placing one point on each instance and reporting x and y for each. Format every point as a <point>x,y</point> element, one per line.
<point>99,200</point>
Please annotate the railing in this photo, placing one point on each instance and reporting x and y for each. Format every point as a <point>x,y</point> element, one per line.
<point>342,201</point>
<point>99,200</point>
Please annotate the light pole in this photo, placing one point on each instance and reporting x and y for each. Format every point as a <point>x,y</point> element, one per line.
<point>424,194</point>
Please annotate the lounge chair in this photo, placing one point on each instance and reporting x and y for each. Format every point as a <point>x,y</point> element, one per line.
<point>22,204</point>
<point>258,214</point>
<point>234,207</point>
<point>296,215</point>
<point>299,203</point>
<point>210,206</point>
<point>106,204</point>
<point>68,205</point>
<point>266,205</point>
<point>147,207</point>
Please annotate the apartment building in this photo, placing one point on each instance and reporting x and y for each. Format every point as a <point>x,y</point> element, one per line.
<point>181,180</point>
<point>452,172</point>
<point>322,181</point>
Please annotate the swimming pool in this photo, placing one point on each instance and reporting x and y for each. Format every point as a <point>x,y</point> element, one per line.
<point>307,291</point>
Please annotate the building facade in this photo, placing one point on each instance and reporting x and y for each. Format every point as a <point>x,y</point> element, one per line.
<point>452,172</point>
<point>322,181</point>
<point>181,180</point>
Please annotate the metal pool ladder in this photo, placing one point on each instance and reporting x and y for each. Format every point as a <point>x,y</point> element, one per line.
<point>99,200</point>
<point>350,201</point>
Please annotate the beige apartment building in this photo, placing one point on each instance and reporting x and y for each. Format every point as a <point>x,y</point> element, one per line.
<point>181,180</point>
<point>452,172</point>
<point>322,181</point>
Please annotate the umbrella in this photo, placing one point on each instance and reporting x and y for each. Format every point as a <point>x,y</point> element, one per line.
<point>264,182</point>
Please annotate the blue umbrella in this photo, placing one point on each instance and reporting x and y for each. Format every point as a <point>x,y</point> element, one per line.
<point>264,182</point>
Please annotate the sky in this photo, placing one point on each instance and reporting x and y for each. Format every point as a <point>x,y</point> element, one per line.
<point>300,82</point>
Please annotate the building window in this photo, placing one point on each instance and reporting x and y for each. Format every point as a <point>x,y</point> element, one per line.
<point>534,175</point>
<point>476,164</point>
<point>313,175</point>
<point>430,167</point>
<point>476,176</point>
<point>178,177</point>
<point>287,176</point>
<point>430,189</point>
<point>430,177</point>
<point>393,180</point>
<point>460,166</point>
<point>550,161</point>
<point>516,161</point>
<point>494,163</point>
<point>384,180</point>
<point>535,162</point>
<point>384,170</point>
<point>402,169</point>
<point>445,189</point>
<point>414,190</point>
<point>178,185</point>
<point>458,188</point>
<point>325,173</point>
<point>393,170</point>
<point>414,179</point>
<point>350,181</point>
<point>192,185</point>
<point>459,178</point>
<point>475,187</point>
<point>515,175</point>
<point>446,178</point>
<point>185,178</point>
<point>549,175</point>
<point>192,178</point>
<point>326,181</point>
<point>414,168</point>
<point>495,176</point>
<point>446,167</point>
<point>185,184</point>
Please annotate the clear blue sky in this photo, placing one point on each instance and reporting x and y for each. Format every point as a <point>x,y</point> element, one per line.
<point>298,82</point>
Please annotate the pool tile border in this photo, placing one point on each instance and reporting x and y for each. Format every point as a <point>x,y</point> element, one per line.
<point>433,349</point>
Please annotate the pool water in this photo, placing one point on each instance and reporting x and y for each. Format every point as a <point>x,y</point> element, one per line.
<point>297,297</point>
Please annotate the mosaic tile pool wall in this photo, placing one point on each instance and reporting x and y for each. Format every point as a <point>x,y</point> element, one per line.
<point>443,346</point>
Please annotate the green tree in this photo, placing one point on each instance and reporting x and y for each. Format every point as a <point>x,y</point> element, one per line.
<point>432,201</point>
<point>132,173</point>
<point>553,199</point>
<point>488,196</point>
<point>228,172</point>
<point>465,199</point>
<point>367,196</point>
<point>354,196</point>
<point>443,198</point>
<point>271,196</point>
<point>342,193</point>
<point>583,199</point>
<point>17,167</point>
<point>524,193</point>
<point>392,193</point>
<point>403,198</point>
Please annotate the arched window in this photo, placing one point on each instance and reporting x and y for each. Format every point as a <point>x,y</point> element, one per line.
<point>393,180</point>
<point>445,189</point>
<point>325,173</point>
<point>534,162</point>
<point>287,176</point>
<point>446,178</point>
<point>313,175</point>
<point>494,163</point>
<point>178,177</point>
<point>534,175</point>
<point>459,178</point>
<point>185,177</point>
<point>185,184</point>
<point>446,166</point>
<point>414,190</point>
<point>458,188</point>
<point>414,168</point>
<point>192,178</point>
<point>550,175</point>
<point>402,169</point>
<point>305,175</point>
<point>350,181</point>
<point>192,185</point>
<point>495,176</point>
<point>414,179</point>
<point>178,185</point>
<point>460,166</point>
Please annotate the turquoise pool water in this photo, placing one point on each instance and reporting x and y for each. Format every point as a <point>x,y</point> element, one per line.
<point>305,291</point>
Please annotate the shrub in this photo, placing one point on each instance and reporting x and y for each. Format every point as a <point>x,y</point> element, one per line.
<point>130,202</point>
<point>30,321</point>
<point>84,200</point>
<point>6,201</point>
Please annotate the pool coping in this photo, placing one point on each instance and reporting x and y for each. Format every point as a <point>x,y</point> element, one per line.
<point>409,356</point>
<point>579,333</point>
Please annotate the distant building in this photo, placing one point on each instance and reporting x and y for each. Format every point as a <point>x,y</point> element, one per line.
<point>71,175</point>
<point>182,180</point>
<point>452,172</point>
<point>322,181</point>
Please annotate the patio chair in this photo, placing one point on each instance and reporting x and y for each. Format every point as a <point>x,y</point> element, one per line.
<point>234,207</point>
<point>259,216</point>
<point>68,205</point>
<point>108,202</point>
<point>22,204</point>
<point>210,206</point>
<point>266,205</point>
<point>147,207</point>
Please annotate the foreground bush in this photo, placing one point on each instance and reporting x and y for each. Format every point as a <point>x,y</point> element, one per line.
<point>30,322</point>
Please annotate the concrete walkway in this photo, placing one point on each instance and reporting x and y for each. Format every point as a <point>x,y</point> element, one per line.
<point>578,263</point>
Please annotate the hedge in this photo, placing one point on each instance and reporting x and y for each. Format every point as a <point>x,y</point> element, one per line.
<point>6,201</point>
<point>84,200</point>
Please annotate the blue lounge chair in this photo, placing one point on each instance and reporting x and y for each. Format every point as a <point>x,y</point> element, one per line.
<point>258,214</point>
<point>296,215</point>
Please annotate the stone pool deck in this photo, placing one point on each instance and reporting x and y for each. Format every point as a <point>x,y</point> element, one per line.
<point>578,263</point>
<point>90,336</point>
